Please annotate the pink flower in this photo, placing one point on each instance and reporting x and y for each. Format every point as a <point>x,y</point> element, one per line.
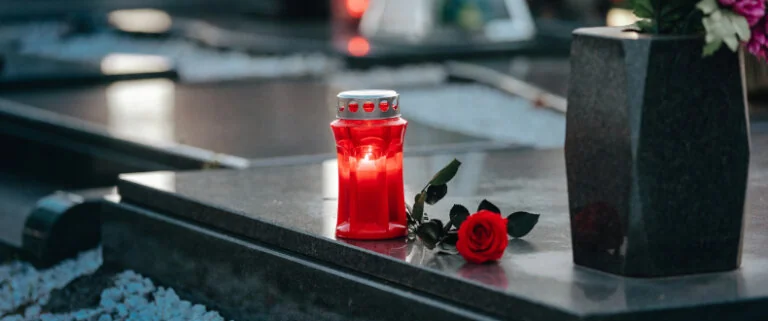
<point>758,42</point>
<point>752,10</point>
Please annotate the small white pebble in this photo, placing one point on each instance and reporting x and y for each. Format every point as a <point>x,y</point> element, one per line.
<point>12,318</point>
<point>48,317</point>
<point>122,310</point>
<point>32,311</point>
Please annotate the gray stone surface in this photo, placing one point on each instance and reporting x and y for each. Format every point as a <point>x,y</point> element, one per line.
<point>293,208</point>
<point>239,118</point>
<point>657,152</point>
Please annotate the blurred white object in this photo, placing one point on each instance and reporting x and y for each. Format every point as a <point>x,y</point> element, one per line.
<point>141,20</point>
<point>617,17</point>
<point>519,26</point>
<point>417,20</point>
<point>412,19</point>
<point>120,64</point>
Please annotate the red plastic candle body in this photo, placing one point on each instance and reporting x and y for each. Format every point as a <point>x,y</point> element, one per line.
<point>370,157</point>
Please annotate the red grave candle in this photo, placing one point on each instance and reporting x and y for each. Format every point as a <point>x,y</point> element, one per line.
<point>369,136</point>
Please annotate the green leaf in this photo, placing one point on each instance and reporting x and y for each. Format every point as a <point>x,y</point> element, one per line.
<point>436,193</point>
<point>712,47</point>
<point>643,8</point>
<point>444,248</point>
<point>446,174</point>
<point>430,233</point>
<point>724,26</point>
<point>520,224</point>
<point>458,215</point>
<point>644,26</point>
<point>451,238</point>
<point>692,23</point>
<point>664,16</point>
<point>731,42</point>
<point>486,205</point>
<point>707,6</point>
<point>741,26</point>
<point>418,206</point>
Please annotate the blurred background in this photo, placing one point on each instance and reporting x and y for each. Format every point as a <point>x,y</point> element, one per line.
<point>170,67</point>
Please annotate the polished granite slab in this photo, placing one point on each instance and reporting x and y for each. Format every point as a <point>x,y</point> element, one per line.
<point>293,208</point>
<point>233,118</point>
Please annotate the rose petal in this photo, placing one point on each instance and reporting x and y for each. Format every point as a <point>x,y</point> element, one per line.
<point>482,237</point>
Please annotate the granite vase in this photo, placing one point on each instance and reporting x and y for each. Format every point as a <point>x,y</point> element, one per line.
<point>657,154</point>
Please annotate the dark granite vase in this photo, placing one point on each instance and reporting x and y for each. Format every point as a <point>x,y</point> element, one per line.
<point>657,154</point>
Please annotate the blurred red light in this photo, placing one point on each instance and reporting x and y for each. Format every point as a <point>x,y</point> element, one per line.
<point>356,8</point>
<point>358,46</point>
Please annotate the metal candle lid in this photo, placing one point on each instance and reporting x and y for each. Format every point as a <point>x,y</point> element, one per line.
<point>368,104</point>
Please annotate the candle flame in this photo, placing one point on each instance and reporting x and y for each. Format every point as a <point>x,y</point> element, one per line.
<point>368,154</point>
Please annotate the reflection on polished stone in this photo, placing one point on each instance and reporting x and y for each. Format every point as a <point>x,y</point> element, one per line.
<point>489,274</point>
<point>397,248</point>
<point>142,109</point>
<point>245,119</point>
<point>123,64</point>
<point>598,236</point>
<point>162,181</point>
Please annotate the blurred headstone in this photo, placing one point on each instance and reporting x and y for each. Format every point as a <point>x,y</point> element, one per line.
<point>425,20</point>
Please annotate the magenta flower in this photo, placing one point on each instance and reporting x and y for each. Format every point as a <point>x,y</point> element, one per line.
<point>758,42</point>
<point>752,10</point>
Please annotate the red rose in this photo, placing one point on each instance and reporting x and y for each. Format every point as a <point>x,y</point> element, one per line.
<point>482,237</point>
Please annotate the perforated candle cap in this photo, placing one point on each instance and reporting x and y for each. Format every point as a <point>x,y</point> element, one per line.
<point>368,104</point>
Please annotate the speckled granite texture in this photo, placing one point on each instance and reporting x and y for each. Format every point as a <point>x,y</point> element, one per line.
<point>657,152</point>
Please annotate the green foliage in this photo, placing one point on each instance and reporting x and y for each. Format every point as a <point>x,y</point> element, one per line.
<point>446,174</point>
<point>520,224</point>
<point>722,26</point>
<point>667,16</point>
<point>435,193</point>
<point>430,233</point>
<point>458,215</point>
<point>418,206</point>
<point>488,206</point>
<point>443,237</point>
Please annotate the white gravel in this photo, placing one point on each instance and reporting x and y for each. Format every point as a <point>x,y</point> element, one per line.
<point>131,297</point>
<point>21,284</point>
